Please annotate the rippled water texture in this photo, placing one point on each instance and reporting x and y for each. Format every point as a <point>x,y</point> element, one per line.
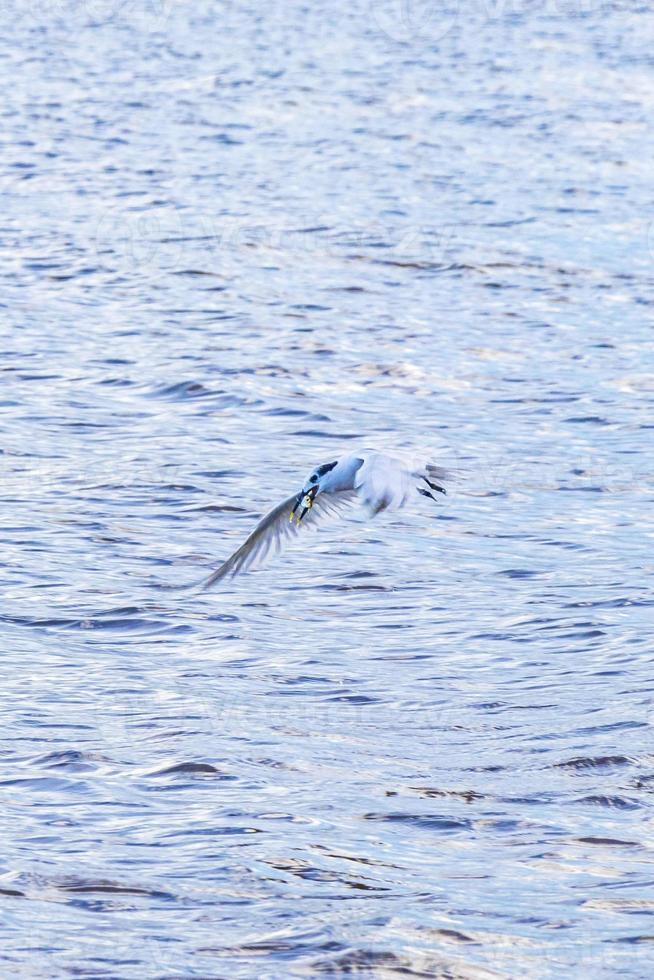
<point>238,240</point>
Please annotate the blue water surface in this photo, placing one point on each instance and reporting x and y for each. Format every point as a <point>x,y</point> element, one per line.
<point>237,240</point>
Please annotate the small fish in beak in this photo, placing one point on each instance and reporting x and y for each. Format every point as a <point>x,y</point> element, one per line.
<point>304,502</point>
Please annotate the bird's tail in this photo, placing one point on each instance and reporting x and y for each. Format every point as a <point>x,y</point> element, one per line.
<point>437,476</point>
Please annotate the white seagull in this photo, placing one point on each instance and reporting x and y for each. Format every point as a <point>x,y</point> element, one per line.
<point>379,481</point>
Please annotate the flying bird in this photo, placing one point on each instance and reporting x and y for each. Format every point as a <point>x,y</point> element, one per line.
<point>379,481</point>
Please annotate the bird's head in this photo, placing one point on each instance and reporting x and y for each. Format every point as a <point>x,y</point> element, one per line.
<point>313,485</point>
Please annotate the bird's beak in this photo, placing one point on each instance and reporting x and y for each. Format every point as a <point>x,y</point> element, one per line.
<point>304,503</point>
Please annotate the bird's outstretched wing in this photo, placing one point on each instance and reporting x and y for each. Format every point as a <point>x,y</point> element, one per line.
<point>386,482</point>
<point>275,530</point>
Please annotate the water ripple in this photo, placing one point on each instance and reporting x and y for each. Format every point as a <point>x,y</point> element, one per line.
<point>236,242</point>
